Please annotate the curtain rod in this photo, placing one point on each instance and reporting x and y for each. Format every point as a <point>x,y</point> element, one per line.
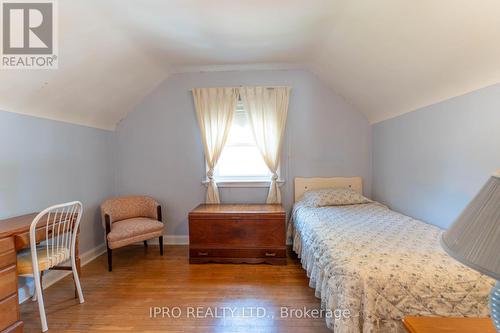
<point>267,87</point>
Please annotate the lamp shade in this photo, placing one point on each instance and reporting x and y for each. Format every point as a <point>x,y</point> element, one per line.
<point>474,238</point>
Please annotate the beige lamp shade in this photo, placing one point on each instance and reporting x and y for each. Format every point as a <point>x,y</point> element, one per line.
<point>474,238</point>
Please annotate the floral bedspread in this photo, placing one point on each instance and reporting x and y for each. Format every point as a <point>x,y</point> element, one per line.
<point>381,266</point>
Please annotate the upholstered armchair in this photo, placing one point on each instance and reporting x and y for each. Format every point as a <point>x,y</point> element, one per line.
<point>129,220</point>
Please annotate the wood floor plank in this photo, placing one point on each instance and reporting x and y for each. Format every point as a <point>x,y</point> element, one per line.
<point>121,301</point>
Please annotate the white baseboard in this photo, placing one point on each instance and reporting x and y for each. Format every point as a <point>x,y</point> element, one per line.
<point>176,240</point>
<point>51,277</point>
<point>172,240</point>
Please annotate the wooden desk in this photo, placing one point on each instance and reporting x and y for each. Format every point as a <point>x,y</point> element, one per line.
<point>14,236</point>
<point>448,325</point>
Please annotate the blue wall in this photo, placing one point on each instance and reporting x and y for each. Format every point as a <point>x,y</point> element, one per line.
<point>429,163</point>
<point>45,162</point>
<point>159,150</point>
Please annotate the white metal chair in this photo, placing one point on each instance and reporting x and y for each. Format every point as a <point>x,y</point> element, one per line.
<point>58,225</point>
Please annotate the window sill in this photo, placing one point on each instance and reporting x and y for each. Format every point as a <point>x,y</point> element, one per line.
<point>244,183</point>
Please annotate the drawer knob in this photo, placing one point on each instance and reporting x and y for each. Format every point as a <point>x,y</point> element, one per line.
<point>270,254</point>
<point>203,253</point>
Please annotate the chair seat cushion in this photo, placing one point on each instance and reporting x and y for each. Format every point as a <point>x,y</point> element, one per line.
<point>133,230</point>
<point>46,260</point>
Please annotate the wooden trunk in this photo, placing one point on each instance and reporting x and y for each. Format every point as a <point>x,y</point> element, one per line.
<point>237,234</point>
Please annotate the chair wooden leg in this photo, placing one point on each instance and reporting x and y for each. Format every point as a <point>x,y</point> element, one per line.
<point>160,239</point>
<point>110,260</point>
<point>145,243</point>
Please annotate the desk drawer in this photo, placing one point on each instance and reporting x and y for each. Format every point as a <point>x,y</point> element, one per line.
<point>8,282</point>
<point>7,259</point>
<point>23,240</point>
<point>16,328</point>
<point>6,244</point>
<point>7,252</point>
<point>9,313</point>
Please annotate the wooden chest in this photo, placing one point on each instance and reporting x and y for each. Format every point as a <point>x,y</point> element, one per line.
<point>237,234</point>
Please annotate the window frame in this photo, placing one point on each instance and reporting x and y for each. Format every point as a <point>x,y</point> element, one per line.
<point>245,181</point>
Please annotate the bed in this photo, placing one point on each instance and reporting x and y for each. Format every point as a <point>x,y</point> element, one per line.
<point>379,265</point>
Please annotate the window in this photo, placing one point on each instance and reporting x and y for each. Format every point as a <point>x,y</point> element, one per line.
<point>240,159</point>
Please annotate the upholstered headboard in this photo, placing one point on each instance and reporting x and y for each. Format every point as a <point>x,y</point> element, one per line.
<point>304,184</point>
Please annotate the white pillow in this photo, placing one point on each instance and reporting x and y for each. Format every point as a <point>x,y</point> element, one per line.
<point>334,197</point>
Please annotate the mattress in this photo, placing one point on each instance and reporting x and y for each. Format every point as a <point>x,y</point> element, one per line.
<point>380,266</point>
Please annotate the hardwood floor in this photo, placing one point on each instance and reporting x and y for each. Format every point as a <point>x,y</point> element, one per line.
<point>122,300</point>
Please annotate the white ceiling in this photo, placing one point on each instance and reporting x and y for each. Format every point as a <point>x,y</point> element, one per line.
<point>386,57</point>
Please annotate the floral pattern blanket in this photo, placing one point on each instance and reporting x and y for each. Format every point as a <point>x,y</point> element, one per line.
<point>381,266</point>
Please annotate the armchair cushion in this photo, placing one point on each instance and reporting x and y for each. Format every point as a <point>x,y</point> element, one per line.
<point>133,230</point>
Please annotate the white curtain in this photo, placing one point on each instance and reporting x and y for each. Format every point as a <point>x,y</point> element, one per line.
<point>267,110</point>
<point>214,110</point>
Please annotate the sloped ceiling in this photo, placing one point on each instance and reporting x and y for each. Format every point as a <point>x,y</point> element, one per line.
<point>386,57</point>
